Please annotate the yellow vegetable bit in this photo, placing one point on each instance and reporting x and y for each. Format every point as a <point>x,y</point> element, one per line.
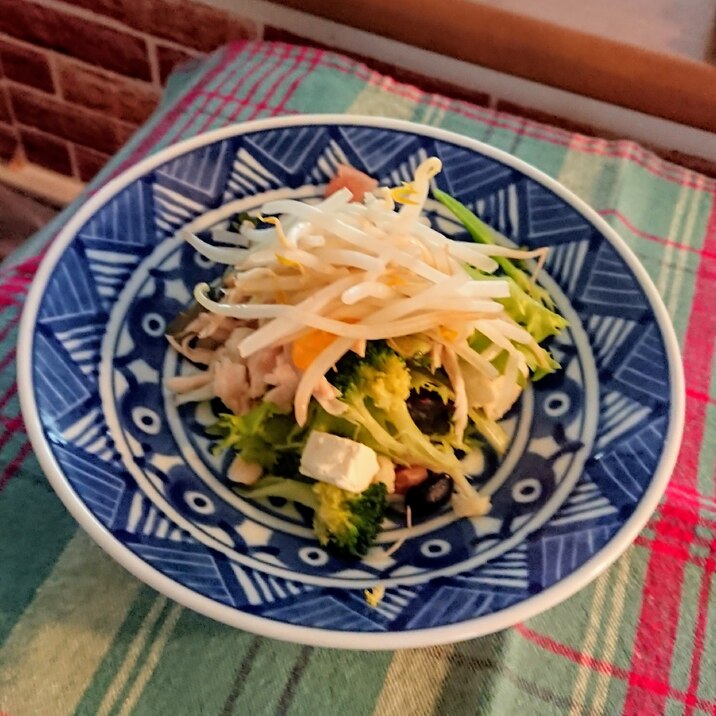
<point>279,229</point>
<point>308,346</point>
<point>373,596</point>
<point>289,263</point>
<point>394,280</point>
<point>447,333</point>
<point>403,194</point>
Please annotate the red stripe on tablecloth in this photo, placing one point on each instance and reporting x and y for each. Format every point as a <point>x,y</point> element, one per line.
<point>8,358</point>
<point>660,609</point>
<point>265,103</point>
<point>9,326</point>
<point>9,394</point>
<point>677,552</point>
<point>698,395</point>
<point>693,499</point>
<point>12,468</point>
<point>653,237</point>
<point>257,75</point>
<point>312,64</point>
<point>10,426</point>
<point>657,628</point>
<point>705,589</point>
<point>700,631</point>
<point>653,686</point>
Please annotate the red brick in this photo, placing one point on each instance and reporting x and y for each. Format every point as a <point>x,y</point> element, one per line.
<point>125,99</point>
<point>188,23</point>
<point>8,142</point>
<point>124,131</point>
<point>26,66</point>
<point>89,162</point>
<point>5,115</point>
<point>125,11</point>
<point>76,37</point>
<point>68,121</point>
<point>169,58</point>
<point>46,150</point>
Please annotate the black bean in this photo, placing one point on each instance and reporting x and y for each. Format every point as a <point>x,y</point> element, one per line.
<point>430,495</point>
<point>429,413</point>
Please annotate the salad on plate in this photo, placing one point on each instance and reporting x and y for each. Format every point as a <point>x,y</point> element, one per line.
<point>362,356</point>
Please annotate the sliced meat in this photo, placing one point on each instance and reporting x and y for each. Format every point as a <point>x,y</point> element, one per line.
<point>232,342</point>
<point>260,365</point>
<point>327,397</point>
<point>355,180</point>
<point>407,477</point>
<point>245,473</point>
<point>285,379</point>
<point>187,383</point>
<point>231,385</point>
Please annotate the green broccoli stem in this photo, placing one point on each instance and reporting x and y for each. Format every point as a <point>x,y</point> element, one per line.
<point>491,431</point>
<point>481,233</point>
<point>359,413</point>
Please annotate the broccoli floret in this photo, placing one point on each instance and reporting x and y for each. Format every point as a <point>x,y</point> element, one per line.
<point>376,389</point>
<point>260,436</point>
<point>344,522</point>
<point>348,523</point>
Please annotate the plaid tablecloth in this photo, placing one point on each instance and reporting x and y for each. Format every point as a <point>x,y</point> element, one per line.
<point>80,635</point>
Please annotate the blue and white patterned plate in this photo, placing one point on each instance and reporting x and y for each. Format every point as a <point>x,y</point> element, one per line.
<point>592,446</point>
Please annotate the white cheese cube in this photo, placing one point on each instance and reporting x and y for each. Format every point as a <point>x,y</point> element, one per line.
<point>338,461</point>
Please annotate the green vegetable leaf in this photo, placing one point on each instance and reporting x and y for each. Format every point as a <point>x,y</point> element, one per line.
<point>237,220</point>
<point>260,435</point>
<point>422,380</point>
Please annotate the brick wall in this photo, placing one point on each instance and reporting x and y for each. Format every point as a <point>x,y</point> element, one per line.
<point>77,78</point>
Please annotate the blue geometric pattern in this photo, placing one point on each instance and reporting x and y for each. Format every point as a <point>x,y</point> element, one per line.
<point>608,289</point>
<point>100,483</point>
<point>71,292</point>
<point>471,175</point>
<point>595,430</point>
<point>126,220</point>
<point>375,153</point>
<point>550,220</point>
<point>62,387</point>
<point>642,374</point>
<point>201,177</point>
<point>555,556</point>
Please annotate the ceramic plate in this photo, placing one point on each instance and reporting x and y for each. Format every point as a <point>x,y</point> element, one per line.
<point>591,449</point>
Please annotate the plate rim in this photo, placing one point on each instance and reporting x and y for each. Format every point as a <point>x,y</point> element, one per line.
<point>315,636</point>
